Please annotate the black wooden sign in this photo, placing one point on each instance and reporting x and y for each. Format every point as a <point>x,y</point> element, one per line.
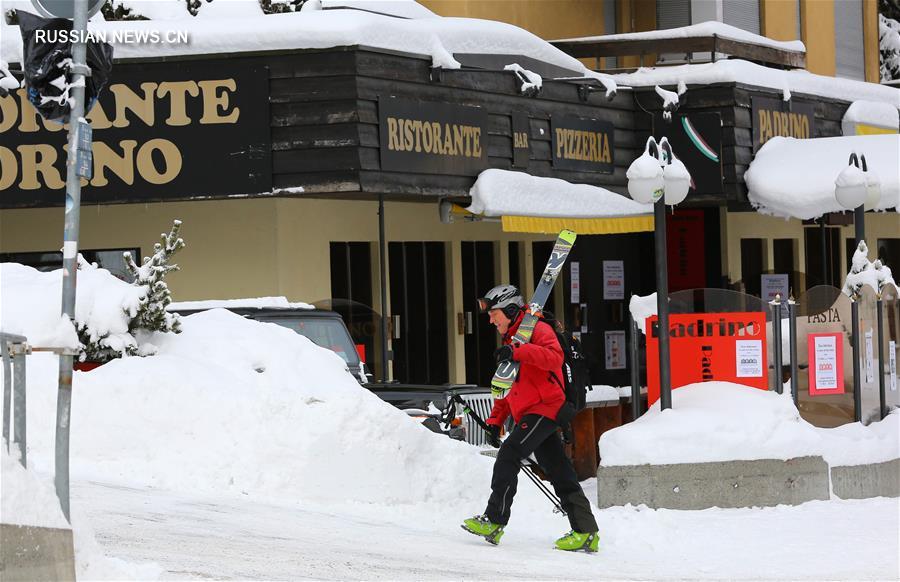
<point>696,139</point>
<point>773,117</point>
<point>432,138</point>
<point>582,144</point>
<point>521,140</point>
<point>161,131</point>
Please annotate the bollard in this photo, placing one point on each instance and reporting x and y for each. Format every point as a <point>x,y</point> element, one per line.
<point>635,370</point>
<point>795,369</point>
<point>882,402</point>
<point>857,389</point>
<point>776,340</point>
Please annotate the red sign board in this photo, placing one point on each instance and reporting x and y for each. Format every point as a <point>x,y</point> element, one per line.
<point>704,347</point>
<point>826,363</point>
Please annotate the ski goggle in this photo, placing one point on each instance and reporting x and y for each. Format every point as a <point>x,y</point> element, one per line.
<point>484,305</point>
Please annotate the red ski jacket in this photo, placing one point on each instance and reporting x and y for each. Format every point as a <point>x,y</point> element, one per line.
<point>537,389</point>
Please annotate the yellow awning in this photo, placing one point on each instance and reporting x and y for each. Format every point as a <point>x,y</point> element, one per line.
<point>547,225</point>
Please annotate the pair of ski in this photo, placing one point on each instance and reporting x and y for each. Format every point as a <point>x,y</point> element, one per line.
<point>508,370</point>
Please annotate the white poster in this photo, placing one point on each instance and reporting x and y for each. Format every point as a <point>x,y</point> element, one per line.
<point>870,357</point>
<point>775,285</point>
<point>749,356</point>
<point>892,363</point>
<point>575,288</point>
<point>615,350</point>
<point>613,280</point>
<point>826,365</point>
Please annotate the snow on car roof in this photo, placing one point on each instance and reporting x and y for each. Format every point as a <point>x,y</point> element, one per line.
<point>279,302</point>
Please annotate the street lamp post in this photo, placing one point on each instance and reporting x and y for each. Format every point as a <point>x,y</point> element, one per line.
<point>658,177</point>
<point>857,189</point>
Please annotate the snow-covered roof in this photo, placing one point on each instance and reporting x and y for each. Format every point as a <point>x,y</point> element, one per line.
<point>502,193</point>
<point>873,113</point>
<point>795,177</point>
<point>703,29</point>
<point>747,73</point>
<point>232,29</point>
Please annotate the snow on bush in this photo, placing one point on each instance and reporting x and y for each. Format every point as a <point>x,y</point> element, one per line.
<point>864,272</point>
<point>721,421</point>
<point>889,48</point>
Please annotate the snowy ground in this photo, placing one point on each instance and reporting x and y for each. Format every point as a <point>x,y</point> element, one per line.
<point>203,537</point>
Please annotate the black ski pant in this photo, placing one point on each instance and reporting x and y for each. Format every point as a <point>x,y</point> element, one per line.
<point>537,434</point>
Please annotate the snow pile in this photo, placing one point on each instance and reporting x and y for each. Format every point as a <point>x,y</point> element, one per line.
<point>864,272</point>
<point>27,498</point>
<point>224,27</point>
<point>505,193</point>
<point>875,113</point>
<point>702,29</point>
<point>721,421</point>
<point>792,177</point>
<point>30,306</point>
<point>747,73</point>
<point>279,302</point>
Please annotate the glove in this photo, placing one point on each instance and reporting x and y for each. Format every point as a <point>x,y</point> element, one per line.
<point>493,436</point>
<point>503,354</point>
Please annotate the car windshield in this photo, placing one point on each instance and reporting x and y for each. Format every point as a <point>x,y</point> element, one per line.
<point>327,332</point>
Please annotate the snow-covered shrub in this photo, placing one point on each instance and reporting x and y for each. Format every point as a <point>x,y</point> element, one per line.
<point>889,48</point>
<point>864,272</point>
<point>152,315</point>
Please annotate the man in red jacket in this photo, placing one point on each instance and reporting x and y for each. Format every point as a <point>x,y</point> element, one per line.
<point>534,401</point>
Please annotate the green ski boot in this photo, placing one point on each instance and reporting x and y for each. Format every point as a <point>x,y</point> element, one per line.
<point>481,526</point>
<point>575,541</point>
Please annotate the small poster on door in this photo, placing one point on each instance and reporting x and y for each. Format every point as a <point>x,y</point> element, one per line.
<point>826,367</point>
<point>749,356</point>
<point>615,350</point>
<point>773,285</point>
<point>613,280</point>
<point>575,280</point>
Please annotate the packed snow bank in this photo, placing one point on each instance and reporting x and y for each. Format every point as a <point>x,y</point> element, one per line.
<point>30,306</point>
<point>505,193</point>
<point>240,406</point>
<point>721,421</point>
<point>27,498</point>
<point>792,177</point>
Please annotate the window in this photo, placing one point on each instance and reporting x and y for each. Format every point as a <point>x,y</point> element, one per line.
<point>823,261</point>
<point>609,27</point>
<point>672,13</point>
<point>753,264</point>
<point>889,253</point>
<point>109,259</point>
<point>785,259</point>
<point>850,59</point>
<point>743,14</point>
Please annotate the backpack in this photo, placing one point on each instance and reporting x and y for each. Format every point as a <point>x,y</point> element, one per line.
<point>575,373</point>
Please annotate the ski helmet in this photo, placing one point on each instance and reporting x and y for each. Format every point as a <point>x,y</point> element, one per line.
<point>505,297</point>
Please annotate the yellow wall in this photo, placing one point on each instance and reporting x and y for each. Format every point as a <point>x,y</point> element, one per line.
<point>870,39</point>
<point>548,19</point>
<point>778,19</point>
<point>741,225</point>
<point>817,27</point>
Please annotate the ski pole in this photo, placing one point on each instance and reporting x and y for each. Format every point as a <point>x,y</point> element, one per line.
<point>527,469</point>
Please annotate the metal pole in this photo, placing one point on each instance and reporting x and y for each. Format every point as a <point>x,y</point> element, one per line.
<point>882,403</point>
<point>382,277</point>
<point>635,371</point>
<point>20,431</point>
<point>826,277</point>
<point>859,223</point>
<point>795,370</point>
<point>7,391</point>
<point>70,252</point>
<point>662,302</point>
<point>776,340</point>
<point>857,389</point>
